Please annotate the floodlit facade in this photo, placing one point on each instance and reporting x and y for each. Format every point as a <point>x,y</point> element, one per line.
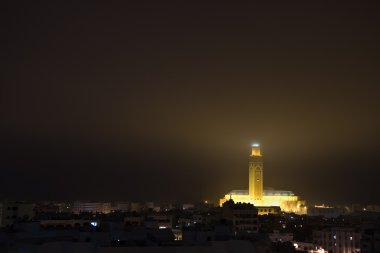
<point>257,195</point>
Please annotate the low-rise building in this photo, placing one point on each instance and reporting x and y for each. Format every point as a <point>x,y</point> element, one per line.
<point>91,207</point>
<point>326,211</point>
<point>307,247</point>
<point>243,216</point>
<point>121,206</point>
<point>370,241</point>
<point>133,219</point>
<point>277,236</point>
<point>163,219</point>
<point>13,211</point>
<point>337,239</point>
<point>266,210</point>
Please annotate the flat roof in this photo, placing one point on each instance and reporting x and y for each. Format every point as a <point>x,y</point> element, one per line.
<point>266,192</point>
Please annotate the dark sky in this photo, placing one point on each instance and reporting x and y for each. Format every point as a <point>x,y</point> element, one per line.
<point>158,100</point>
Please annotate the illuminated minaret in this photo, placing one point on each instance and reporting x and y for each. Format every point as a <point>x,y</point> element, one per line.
<point>256,173</point>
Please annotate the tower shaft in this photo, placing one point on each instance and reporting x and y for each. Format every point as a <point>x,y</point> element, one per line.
<point>256,173</point>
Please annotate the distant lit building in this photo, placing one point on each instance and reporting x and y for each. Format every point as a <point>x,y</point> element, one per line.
<point>13,211</point>
<point>339,239</point>
<point>121,206</point>
<point>373,208</point>
<point>69,223</point>
<point>242,215</point>
<point>91,207</point>
<point>370,241</point>
<point>307,247</point>
<point>188,207</point>
<point>143,206</point>
<point>266,210</point>
<point>326,211</point>
<point>63,206</point>
<point>133,219</point>
<point>163,219</point>
<point>277,236</point>
<point>257,195</point>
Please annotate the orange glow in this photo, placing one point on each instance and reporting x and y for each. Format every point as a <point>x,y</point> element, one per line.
<point>256,151</point>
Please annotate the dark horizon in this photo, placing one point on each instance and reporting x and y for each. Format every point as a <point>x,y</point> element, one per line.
<point>161,101</point>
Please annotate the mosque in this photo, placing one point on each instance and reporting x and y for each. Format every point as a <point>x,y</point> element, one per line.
<point>260,196</point>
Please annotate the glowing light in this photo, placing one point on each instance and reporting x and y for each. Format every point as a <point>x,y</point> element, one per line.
<point>256,150</point>
<point>94,223</point>
<point>162,227</point>
<point>322,206</point>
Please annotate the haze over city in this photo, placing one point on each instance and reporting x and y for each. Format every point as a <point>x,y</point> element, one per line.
<point>152,100</point>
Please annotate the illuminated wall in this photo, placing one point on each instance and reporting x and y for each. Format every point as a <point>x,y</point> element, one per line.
<point>286,203</point>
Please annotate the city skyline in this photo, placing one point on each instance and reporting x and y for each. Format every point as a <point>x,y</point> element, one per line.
<point>161,101</point>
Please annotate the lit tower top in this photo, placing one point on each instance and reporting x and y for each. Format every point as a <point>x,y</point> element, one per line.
<point>256,173</point>
<point>256,150</point>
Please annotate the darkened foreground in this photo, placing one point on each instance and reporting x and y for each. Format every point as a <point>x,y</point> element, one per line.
<point>145,227</point>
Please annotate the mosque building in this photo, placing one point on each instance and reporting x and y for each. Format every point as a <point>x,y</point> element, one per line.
<point>263,197</point>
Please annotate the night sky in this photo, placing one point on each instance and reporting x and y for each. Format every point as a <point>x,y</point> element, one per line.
<point>157,100</point>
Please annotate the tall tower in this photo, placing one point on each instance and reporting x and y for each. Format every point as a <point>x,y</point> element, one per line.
<point>256,173</point>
